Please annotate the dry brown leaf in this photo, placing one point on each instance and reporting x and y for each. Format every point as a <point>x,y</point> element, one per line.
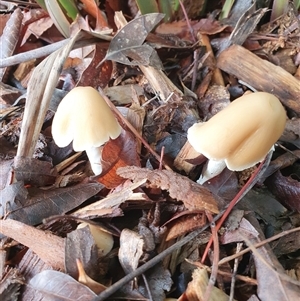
<point>118,153</point>
<point>131,250</point>
<point>110,204</point>
<point>33,205</point>
<point>159,281</point>
<point>180,28</point>
<point>33,19</point>
<point>96,76</point>
<point>34,172</point>
<point>286,189</point>
<point>269,271</point>
<point>183,224</point>
<point>83,278</point>
<point>197,287</point>
<point>81,245</point>
<point>10,37</point>
<point>8,96</point>
<point>193,195</point>
<point>5,172</point>
<point>55,285</point>
<point>92,8</point>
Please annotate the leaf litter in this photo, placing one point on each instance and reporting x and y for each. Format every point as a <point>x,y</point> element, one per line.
<point>147,198</point>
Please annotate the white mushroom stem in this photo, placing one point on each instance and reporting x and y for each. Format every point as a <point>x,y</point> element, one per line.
<point>95,157</point>
<point>211,169</point>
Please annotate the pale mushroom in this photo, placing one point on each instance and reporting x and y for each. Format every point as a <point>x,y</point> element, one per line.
<point>103,239</point>
<point>84,118</point>
<point>239,136</point>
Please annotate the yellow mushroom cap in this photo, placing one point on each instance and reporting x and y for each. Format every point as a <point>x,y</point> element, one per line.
<point>243,133</point>
<point>84,117</point>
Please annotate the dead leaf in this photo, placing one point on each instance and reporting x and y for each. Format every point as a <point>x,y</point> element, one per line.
<point>5,172</point>
<point>285,160</point>
<point>269,271</point>
<point>159,281</point>
<point>183,224</point>
<point>55,285</point>
<point>287,244</point>
<point>93,76</point>
<point>131,250</point>
<point>127,46</point>
<point>31,21</point>
<point>40,23</point>
<point>193,195</point>
<point>180,28</point>
<point>286,189</point>
<point>83,278</point>
<point>115,154</point>
<point>109,204</point>
<point>244,27</point>
<point>10,37</point>
<point>91,7</point>
<point>8,96</point>
<point>33,171</point>
<point>216,99</point>
<point>33,205</point>
<point>81,245</point>
<point>10,285</point>
<point>292,131</point>
<point>197,287</point>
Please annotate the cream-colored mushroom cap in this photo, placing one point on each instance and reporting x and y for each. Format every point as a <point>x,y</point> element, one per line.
<point>243,133</point>
<point>84,117</point>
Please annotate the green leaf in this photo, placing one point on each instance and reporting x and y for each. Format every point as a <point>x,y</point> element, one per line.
<point>166,8</point>
<point>42,4</point>
<point>226,9</point>
<point>147,7</point>
<point>70,8</point>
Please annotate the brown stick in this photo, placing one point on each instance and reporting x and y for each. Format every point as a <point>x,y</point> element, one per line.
<point>50,248</point>
<point>261,75</point>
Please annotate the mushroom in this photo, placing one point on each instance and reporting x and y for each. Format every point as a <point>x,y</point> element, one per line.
<point>239,136</point>
<point>104,240</point>
<point>84,117</point>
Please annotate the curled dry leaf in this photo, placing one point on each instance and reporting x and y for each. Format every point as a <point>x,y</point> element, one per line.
<point>118,153</point>
<point>185,223</point>
<point>83,278</point>
<point>10,37</point>
<point>193,195</point>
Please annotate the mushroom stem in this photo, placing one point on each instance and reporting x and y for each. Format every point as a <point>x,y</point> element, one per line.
<point>95,156</point>
<point>211,169</point>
